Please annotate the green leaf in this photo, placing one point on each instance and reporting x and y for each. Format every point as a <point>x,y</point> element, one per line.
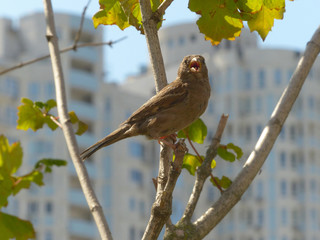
<point>191,162</point>
<point>225,155</point>
<point>12,227</point>
<point>197,131</point>
<point>5,187</point>
<point>10,155</point>
<point>29,116</point>
<point>49,163</point>
<point>51,124</point>
<point>51,103</point>
<point>236,149</point>
<point>219,19</point>
<point>82,128</point>
<point>224,182</point>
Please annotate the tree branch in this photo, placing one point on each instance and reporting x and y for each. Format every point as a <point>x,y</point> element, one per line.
<point>161,9</point>
<point>204,171</point>
<point>78,35</point>
<point>20,65</point>
<point>264,145</point>
<point>72,145</point>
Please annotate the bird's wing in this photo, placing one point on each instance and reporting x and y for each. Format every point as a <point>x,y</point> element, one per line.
<point>169,96</point>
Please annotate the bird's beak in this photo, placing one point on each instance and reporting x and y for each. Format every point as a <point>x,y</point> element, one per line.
<point>195,65</point>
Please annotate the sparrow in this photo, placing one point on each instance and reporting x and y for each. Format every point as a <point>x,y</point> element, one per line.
<point>173,108</point>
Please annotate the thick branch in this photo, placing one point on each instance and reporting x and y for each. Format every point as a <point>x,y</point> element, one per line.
<point>156,221</point>
<point>264,145</point>
<point>162,207</point>
<point>20,65</point>
<point>72,145</point>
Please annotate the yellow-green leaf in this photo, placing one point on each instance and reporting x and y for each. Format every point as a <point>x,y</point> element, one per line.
<point>263,21</point>
<point>213,164</point>
<point>10,155</point>
<point>191,162</point>
<point>249,6</point>
<point>29,116</point>
<point>12,227</point>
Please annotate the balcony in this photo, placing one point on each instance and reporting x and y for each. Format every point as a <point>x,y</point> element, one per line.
<point>82,228</point>
<point>86,53</point>
<point>83,109</point>
<point>83,80</point>
<point>76,197</point>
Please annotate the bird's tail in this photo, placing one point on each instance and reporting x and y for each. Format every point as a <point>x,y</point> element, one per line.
<point>113,137</point>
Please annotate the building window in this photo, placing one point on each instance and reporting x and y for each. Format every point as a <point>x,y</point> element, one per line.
<point>294,189</point>
<point>170,43</point>
<point>142,208</point>
<point>136,177</point>
<point>284,217</point>
<point>277,77</point>
<point>193,38</point>
<point>244,106</point>
<point>34,91</point>
<point>260,217</point>
<point>283,188</point>
<point>50,90</point>
<point>11,116</point>
<point>132,204</point>
<point>181,40</point>
<point>261,78</point>
<point>132,233</point>
<point>259,103</point>
<point>49,207</point>
<point>136,149</point>
<point>259,130</point>
<point>11,87</point>
<point>311,102</point>
<point>248,80</point>
<point>283,159</point>
<point>48,235</point>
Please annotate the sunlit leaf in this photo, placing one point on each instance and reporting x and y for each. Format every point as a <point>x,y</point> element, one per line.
<point>10,155</point>
<point>197,131</point>
<point>191,162</point>
<point>263,21</point>
<point>29,116</point>
<point>213,164</point>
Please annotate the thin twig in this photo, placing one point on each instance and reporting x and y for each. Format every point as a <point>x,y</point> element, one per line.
<point>204,171</point>
<point>263,146</point>
<point>161,9</point>
<point>56,121</point>
<point>67,129</point>
<point>81,45</point>
<point>78,35</point>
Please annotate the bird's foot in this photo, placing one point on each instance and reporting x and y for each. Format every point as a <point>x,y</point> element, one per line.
<point>171,142</point>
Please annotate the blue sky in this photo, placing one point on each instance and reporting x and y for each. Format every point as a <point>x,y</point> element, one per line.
<point>293,32</point>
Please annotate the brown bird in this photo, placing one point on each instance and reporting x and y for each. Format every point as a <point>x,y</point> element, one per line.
<point>173,108</point>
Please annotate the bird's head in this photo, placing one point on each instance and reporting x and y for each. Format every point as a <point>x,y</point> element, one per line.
<point>193,65</point>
